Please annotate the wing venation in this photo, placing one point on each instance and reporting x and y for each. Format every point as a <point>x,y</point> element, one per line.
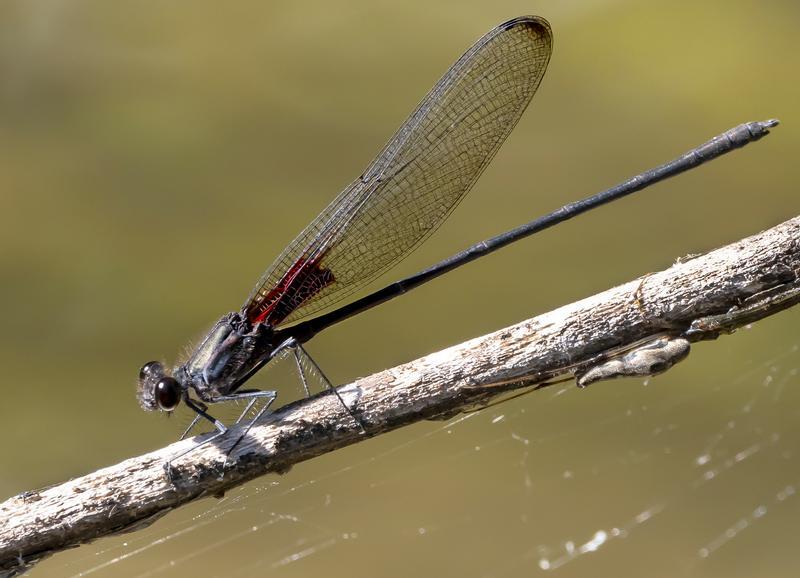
<point>416,181</point>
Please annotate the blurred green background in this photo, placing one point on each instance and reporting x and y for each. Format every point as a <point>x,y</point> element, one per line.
<point>156,156</point>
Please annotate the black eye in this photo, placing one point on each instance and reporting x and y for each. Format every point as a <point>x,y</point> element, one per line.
<point>150,368</point>
<point>168,393</point>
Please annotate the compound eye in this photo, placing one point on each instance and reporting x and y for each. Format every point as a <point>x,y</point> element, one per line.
<point>150,369</point>
<point>168,393</point>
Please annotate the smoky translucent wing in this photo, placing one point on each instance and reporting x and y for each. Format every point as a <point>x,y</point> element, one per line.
<point>415,182</point>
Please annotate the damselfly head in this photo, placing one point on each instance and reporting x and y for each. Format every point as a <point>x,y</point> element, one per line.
<point>156,390</point>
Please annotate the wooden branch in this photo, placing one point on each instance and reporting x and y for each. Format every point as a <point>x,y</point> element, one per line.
<point>640,328</point>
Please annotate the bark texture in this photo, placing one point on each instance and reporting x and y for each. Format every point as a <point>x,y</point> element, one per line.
<point>639,328</point>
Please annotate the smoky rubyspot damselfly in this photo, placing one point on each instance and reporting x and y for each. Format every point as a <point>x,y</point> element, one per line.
<point>410,188</point>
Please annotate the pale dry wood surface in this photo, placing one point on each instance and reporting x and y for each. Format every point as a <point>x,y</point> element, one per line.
<point>610,334</point>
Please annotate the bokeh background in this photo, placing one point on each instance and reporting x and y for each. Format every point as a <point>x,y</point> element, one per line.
<point>156,156</point>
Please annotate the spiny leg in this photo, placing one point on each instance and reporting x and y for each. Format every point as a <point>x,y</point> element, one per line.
<point>301,356</point>
<point>302,373</point>
<point>200,409</point>
<point>196,419</point>
<point>254,396</point>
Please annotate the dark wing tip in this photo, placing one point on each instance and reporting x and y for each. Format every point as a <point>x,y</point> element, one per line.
<point>536,22</point>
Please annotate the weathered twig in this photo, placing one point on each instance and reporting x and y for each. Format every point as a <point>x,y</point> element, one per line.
<point>642,327</point>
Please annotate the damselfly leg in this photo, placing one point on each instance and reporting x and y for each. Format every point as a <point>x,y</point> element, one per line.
<point>302,358</point>
<point>251,396</point>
